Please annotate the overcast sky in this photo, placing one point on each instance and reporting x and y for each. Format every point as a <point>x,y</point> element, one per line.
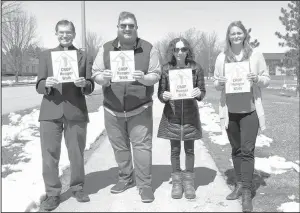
<point>158,18</point>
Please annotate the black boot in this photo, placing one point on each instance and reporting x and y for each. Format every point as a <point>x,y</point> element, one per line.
<point>188,185</point>
<point>247,200</point>
<point>177,189</point>
<point>236,193</point>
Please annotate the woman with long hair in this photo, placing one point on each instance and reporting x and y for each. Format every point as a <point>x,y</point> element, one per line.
<point>242,114</point>
<point>180,120</point>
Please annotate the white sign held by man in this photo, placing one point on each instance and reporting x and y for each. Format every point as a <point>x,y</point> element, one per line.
<point>181,83</point>
<point>236,74</point>
<point>122,65</point>
<point>65,65</point>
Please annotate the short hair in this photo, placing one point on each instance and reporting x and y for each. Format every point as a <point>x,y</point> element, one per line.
<point>65,22</point>
<point>171,48</point>
<point>246,46</point>
<point>123,15</point>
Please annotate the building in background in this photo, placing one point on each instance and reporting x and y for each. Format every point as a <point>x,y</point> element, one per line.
<point>30,66</point>
<point>275,64</point>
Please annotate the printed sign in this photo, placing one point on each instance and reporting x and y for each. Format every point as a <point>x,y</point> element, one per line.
<point>122,65</point>
<point>236,74</point>
<point>65,65</point>
<point>181,83</point>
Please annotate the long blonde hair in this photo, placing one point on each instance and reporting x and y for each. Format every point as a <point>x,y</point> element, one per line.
<point>246,46</point>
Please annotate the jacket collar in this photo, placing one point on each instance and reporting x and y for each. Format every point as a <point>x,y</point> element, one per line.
<point>72,47</point>
<point>116,43</point>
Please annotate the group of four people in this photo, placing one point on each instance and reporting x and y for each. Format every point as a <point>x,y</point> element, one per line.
<point>128,112</point>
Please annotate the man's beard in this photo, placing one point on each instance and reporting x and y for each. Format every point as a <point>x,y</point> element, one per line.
<point>127,41</point>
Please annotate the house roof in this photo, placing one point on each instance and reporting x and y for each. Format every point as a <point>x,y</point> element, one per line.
<point>273,56</point>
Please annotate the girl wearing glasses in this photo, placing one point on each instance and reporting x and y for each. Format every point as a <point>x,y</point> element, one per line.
<point>180,120</point>
<point>242,114</point>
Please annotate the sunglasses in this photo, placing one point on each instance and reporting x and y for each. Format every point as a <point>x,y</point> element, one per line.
<point>183,49</point>
<point>130,26</point>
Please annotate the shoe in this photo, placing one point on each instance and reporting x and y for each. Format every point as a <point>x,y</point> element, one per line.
<point>247,200</point>
<point>188,185</point>
<point>81,196</point>
<point>121,187</point>
<point>236,193</point>
<point>147,195</point>
<point>50,203</point>
<point>177,188</point>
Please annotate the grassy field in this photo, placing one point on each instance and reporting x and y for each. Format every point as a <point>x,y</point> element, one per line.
<point>282,120</point>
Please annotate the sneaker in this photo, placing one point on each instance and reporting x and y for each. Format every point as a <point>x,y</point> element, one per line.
<point>147,195</point>
<point>50,203</point>
<point>121,187</point>
<point>81,196</point>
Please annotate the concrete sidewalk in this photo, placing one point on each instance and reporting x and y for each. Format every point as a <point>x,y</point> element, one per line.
<point>101,174</point>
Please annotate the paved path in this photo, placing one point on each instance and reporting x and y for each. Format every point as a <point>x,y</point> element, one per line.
<point>101,175</point>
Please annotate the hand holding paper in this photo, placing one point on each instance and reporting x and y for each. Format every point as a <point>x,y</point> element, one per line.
<point>107,75</point>
<point>51,81</point>
<point>222,80</point>
<point>196,92</point>
<point>167,95</point>
<point>80,82</point>
<point>138,74</point>
<point>252,77</point>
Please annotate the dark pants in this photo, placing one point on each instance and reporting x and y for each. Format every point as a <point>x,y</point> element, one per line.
<point>189,155</point>
<point>242,132</point>
<point>75,138</point>
<point>138,131</point>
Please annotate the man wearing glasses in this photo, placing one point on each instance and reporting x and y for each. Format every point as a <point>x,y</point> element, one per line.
<point>63,109</point>
<point>128,107</point>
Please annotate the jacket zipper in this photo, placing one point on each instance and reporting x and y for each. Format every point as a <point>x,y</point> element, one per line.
<point>124,100</point>
<point>181,138</point>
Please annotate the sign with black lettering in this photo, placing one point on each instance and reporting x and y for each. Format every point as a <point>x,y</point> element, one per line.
<point>236,74</point>
<point>65,65</point>
<point>181,83</point>
<point>122,65</point>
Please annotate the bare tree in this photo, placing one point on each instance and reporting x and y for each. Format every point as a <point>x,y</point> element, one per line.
<point>93,43</point>
<point>18,33</point>
<point>9,8</point>
<point>205,47</point>
<point>207,52</point>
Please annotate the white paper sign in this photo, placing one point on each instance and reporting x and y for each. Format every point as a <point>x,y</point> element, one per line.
<point>65,65</point>
<point>181,83</point>
<point>122,65</point>
<point>236,74</point>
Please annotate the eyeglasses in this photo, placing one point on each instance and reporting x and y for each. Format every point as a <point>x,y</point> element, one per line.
<point>130,26</point>
<point>68,33</point>
<point>183,49</point>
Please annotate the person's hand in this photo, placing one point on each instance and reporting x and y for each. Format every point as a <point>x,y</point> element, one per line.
<point>167,95</point>
<point>196,92</point>
<point>80,82</point>
<point>51,81</point>
<point>107,75</point>
<point>138,74</point>
<point>252,77</point>
<point>222,80</point>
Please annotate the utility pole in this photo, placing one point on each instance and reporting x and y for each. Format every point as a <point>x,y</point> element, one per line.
<point>83,33</point>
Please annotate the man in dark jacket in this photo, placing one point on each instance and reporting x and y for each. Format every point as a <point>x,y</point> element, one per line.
<point>63,108</point>
<point>128,106</point>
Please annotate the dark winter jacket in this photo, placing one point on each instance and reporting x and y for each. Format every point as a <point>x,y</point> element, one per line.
<point>181,119</point>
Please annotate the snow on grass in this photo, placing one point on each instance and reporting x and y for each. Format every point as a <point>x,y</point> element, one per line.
<point>25,185</point>
<point>289,207</point>
<point>211,123</point>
